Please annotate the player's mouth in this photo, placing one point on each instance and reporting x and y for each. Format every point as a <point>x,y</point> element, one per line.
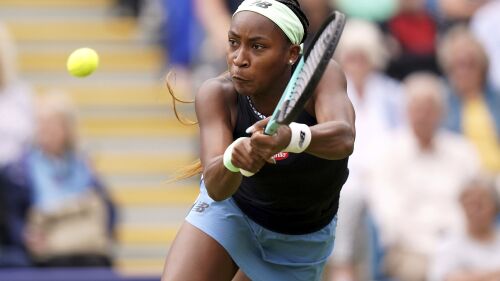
<point>239,79</point>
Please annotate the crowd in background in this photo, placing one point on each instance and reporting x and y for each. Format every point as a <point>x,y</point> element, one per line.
<point>54,210</point>
<point>421,201</point>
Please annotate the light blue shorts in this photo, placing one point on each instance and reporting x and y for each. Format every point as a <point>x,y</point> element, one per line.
<point>260,253</point>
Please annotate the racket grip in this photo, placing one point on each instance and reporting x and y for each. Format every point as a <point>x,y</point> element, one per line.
<point>246,173</point>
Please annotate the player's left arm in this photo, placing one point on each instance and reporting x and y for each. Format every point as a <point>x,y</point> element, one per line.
<point>333,136</point>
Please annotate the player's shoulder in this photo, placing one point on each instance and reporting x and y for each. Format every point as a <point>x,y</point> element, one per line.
<point>220,87</point>
<point>216,96</point>
<point>335,71</point>
<point>333,81</point>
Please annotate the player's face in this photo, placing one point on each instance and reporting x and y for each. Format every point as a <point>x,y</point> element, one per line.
<point>257,53</point>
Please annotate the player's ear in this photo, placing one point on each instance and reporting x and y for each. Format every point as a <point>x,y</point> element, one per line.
<point>293,53</point>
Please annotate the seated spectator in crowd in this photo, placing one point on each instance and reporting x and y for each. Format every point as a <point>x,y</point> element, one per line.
<point>417,180</point>
<point>16,130</point>
<point>12,250</point>
<point>456,11</point>
<point>16,116</point>
<point>473,104</point>
<point>378,102</point>
<point>413,32</point>
<point>128,7</point>
<point>57,209</point>
<point>473,255</point>
<point>316,11</point>
<point>483,24</point>
<point>181,38</point>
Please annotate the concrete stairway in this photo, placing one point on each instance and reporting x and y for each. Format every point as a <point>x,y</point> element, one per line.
<point>126,122</point>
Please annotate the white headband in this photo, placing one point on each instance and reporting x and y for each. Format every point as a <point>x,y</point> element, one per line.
<point>279,13</point>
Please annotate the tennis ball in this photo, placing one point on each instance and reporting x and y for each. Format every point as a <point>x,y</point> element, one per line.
<point>82,62</point>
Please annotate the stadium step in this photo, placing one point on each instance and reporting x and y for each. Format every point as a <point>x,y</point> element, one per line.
<point>140,163</point>
<point>82,30</point>
<point>93,96</point>
<point>55,3</point>
<point>154,196</point>
<point>134,126</point>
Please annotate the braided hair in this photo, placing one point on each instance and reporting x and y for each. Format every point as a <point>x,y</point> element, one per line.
<point>295,7</point>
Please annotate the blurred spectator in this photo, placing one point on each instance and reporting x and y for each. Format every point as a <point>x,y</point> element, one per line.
<point>215,16</point>
<point>455,11</point>
<point>377,100</point>
<point>16,117</point>
<point>12,250</point>
<point>474,106</point>
<point>484,24</point>
<point>56,208</point>
<point>413,31</point>
<point>16,130</point>
<point>475,253</point>
<point>181,39</point>
<point>316,11</point>
<point>417,181</point>
<point>128,7</point>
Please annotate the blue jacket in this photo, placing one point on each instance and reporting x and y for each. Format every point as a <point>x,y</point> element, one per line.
<point>453,119</point>
<point>16,186</point>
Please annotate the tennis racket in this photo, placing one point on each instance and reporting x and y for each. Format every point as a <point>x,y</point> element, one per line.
<point>307,74</point>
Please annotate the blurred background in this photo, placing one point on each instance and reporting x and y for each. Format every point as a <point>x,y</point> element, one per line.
<point>86,164</point>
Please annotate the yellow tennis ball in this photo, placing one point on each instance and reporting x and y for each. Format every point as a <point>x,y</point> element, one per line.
<point>82,62</point>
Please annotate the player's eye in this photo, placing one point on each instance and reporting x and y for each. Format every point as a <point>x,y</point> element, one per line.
<point>258,47</point>
<point>232,42</point>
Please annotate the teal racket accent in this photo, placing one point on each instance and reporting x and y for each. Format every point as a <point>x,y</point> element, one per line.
<point>308,73</point>
<point>273,124</point>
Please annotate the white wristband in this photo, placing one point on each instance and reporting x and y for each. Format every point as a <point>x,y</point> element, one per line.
<point>301,138</point>
<point>228,155</point>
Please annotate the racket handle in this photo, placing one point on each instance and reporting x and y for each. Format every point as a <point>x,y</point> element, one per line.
<point>246,173</point>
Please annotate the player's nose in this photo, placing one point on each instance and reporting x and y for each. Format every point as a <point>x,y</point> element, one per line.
<point>240,58</point>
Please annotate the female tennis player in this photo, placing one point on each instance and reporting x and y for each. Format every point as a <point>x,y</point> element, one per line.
<point>278,224</point>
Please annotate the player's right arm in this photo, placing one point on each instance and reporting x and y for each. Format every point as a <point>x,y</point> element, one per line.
<point>214,119</point>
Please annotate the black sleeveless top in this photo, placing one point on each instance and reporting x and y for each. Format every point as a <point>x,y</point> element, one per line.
<point>297,195</point>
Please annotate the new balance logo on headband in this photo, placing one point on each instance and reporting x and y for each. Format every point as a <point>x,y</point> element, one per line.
<point>262,4</point>
<point>279,13</point>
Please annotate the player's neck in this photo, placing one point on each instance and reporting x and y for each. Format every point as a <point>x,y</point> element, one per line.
<point>265,102</point>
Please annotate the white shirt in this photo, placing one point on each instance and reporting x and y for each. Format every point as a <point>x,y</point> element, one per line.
<point>378,111</point>
<point>461,252</point>
<point>484,24</point>
<point>415,194</point>
<point>16,121</point>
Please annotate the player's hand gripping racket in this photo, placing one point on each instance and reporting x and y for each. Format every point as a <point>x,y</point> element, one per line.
<point>307,74</point>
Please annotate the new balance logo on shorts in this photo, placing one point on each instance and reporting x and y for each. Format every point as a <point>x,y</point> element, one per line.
<point>200,207</point>
<point>262,4</point>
